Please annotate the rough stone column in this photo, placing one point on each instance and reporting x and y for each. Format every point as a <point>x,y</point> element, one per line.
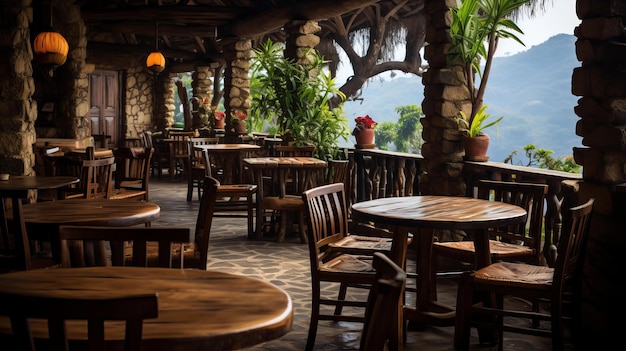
<point>444,96</point>
<point>18,110</point>
<point>72,75</point>
<point>236,81</point>
<point>301,38</point>
<point>164,104</point>
<point>138,96</point>
<point>601,84</point>
<point>202,87</point>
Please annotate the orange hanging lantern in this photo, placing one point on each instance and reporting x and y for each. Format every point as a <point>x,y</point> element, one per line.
<point>155,62</point>
<point>50,49</point>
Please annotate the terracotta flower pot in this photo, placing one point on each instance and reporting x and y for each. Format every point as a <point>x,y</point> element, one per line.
<point>240,127</point>
<point>219,124</point>
<point>364,136</point>
<point>476,148</point>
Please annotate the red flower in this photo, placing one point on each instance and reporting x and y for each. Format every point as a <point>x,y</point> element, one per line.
<point>364,122</point>
<point>219,115</point>
<point>238,115</point>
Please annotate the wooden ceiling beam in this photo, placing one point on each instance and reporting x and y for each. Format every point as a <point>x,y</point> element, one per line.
<point>275,18</point>
<point>148,28</point>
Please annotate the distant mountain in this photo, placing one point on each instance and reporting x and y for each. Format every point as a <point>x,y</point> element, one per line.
<point>531,89</point>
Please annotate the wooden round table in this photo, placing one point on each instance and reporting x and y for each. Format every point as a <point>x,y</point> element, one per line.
<point>36,182</point>
<point>198,310</point>
<point>43,219</point>
<point>438,212</point>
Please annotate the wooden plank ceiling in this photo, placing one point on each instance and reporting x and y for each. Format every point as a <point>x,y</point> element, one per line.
<point>193,32</point>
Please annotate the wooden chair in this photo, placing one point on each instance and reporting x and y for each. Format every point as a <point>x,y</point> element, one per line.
<point>15,248</point>
<point>161,156</point>
<point>232,199</point>
<point>382,314</point>
<point>512,243</point>
<point>86,246</point>
<point>132,173</point>
<point>196,166</point>
<point>21,309</point>
<point>195,253</point>
<point>97,178</point>
<point>328,266</point>
<point>179,152</point>
<point>525,281</point>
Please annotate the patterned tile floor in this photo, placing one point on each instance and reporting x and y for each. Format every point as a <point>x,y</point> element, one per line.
<point>287,265</point>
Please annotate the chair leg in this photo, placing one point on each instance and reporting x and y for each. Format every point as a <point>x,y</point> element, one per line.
<point>250,207</point>
<point>282,230</point>
<point>343,288</point>
<point>190,189</point>
<point>462,327</point>
<point>302,226</point>
<point>315,313</point>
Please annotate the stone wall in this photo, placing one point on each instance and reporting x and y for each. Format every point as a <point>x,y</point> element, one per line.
<point>236,80</point>
<point>601,84</point>
<point>138,97</point>
<point>18,110</point>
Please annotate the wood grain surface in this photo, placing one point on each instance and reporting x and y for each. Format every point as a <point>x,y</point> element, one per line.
<point>36,182</point>
<point>198,310</point>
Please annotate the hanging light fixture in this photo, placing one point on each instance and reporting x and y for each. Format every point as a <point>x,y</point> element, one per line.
<point>156,61</point>
<point>50,48</point>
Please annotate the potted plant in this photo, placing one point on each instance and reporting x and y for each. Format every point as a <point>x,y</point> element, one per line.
<point>238,121</point>
<point>474,24</point>
<point>364,131</point>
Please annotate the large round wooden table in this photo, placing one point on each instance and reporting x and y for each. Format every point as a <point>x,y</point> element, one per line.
<point>429,212</point>
<point>43,219</point>
<point>198,310</point>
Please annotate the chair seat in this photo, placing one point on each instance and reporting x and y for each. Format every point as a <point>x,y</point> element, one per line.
<point>348,263</point>
<point>362,244</point>
<point>513,274</point>
<point>287,203</point>
<point>498,249</point>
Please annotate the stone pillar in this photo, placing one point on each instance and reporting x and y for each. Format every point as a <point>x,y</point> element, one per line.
<point>445,94</point>
<point>202,86</point>
<point>74,103</point>
<point>601,84</point>
<point>138,95</point>
<point>18,110</point>
<point>164,104</point>
<point>236,82</point>
<point>300,39</point>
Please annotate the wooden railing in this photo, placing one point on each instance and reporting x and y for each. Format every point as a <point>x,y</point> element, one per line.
<point>376,173</point>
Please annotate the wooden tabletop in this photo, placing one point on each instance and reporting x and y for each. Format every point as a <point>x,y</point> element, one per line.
<point>439,212</point>
<point>99,212</point>
<point>284,162</point>
<point>36,182</point>
<point>198,310</point>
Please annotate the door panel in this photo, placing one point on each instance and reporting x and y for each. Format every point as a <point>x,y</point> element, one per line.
<point>104,104</point>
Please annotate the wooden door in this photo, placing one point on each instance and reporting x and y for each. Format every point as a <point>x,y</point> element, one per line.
<point>104,105</point>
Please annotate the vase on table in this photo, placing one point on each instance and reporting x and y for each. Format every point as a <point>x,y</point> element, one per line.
<point>219,124</point>
<point>240,127</point>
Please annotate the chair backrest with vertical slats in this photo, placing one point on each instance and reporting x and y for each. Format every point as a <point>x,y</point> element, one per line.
<point>132,309</point>
<point>97,178</point>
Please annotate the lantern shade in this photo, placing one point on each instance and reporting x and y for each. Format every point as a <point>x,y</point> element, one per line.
<point>155,62</point>
<point>50,48</point>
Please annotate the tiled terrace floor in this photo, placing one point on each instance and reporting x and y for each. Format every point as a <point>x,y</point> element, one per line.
<point>287,265</point>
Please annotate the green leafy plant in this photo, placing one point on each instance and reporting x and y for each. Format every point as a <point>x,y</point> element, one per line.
<point>477,26</point>
<point>294,98</point>
<point>478,123</point>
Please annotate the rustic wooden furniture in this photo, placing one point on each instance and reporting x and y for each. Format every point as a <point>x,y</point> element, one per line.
<point>234,198</point>
<point>329,267</point>
<point>195,167</point>
<point>15,246</point>
<point>132,173</point>
<point>179,153</point>
<point>226,161</point>
<point>381,313</point>
<point>44,218</point>
<point>198,310</point>
<point>425,213</point>
<point>275,197</point>
<point>85,246</point>
<point>195,253</point>
<point>58,311</point>
<point>525,281</point>
<point>512,242</point>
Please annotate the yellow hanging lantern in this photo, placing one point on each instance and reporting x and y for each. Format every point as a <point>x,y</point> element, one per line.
<point>50,49</point>
<point>155,62</point>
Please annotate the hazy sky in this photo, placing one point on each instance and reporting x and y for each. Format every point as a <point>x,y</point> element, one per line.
<point>560,17</point>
